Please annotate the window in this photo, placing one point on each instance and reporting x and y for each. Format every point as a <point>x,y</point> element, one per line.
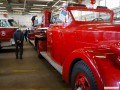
<point>12,23</point>
<point>113,4</point>
<point>55,19</point>
<point>102,3</point>
<point>91,16</point>
<point>3,23</point>
<point>110,4</point>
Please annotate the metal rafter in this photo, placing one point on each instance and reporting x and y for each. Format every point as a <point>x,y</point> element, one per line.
<point>28,5</point>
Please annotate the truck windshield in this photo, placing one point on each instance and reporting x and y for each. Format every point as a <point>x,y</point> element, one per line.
<point>91,16</point>
<point>12,23</point>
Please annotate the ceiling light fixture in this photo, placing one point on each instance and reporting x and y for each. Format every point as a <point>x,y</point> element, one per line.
<point>18,8</point>
<point>15,4</point>
<point>3,10</point>
<point>63,1</point>
<point>35,8</point>
<point>2,7</point>
<point>31,12</point>
<point>35,11</point>
<point>41,0</point>
<point>39,5</point>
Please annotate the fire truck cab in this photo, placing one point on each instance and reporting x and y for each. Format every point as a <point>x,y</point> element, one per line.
<point>7,27</point>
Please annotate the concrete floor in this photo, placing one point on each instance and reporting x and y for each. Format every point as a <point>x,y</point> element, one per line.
<point>30,73</point>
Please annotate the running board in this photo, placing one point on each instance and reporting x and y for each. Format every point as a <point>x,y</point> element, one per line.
<point>55,65</point>
<point>32,42</point>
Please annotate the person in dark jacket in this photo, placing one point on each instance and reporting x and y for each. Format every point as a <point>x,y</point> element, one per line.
<point>26,34</point>
<point>33,19</point>
<point>19,38</point>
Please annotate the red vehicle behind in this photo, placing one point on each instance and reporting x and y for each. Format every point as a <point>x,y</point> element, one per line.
<point>84,48</point>
<point>7,28</point>
<point>40,26</point>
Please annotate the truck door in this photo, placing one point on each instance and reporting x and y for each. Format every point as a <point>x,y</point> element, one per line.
<point>54,44</point>
<point>57,47</point>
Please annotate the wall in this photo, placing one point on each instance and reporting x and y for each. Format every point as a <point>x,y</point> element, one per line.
<point>22,20</point>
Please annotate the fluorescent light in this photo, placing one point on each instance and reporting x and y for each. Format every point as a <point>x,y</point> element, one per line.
<point>15,4</point>
<point>73,2</point>
<point>2,7</point>
<point>35,8</point>
<point>63,1</point>
<point>35,11</point>
<point>3,10</point>
<point>1,3</point>
<point>39,5</point>
<point>18,8</point>
<point>42,0</point>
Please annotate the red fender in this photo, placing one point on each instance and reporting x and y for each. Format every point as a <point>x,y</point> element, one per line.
<point>83,55</point>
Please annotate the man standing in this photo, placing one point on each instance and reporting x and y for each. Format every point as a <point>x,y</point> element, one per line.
<point>33,19</point>
<point>26,34</point>
<point>19,38</point>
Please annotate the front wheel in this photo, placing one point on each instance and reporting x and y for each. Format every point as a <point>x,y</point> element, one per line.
<point>82,77</point>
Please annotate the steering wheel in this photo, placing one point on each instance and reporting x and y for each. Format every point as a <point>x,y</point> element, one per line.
<point>98,19</point>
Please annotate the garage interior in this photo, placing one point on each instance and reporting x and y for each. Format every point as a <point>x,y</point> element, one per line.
<point>32,72</point>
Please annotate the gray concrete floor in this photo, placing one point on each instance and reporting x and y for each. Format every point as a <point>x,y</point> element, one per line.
<point>30,73</point>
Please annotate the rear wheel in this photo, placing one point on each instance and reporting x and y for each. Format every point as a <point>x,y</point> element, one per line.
<point>82,77</point>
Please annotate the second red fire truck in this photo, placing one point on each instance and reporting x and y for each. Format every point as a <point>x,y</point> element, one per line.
<point>7,27</point>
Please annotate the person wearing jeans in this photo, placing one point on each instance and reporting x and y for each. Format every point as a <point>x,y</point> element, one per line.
<point>19,38</point>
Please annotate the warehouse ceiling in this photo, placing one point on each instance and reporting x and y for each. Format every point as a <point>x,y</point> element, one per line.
<point>30,6</point>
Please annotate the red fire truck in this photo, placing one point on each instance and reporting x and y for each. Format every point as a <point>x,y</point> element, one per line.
<point>7,28</point>
<point>84,48</point>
